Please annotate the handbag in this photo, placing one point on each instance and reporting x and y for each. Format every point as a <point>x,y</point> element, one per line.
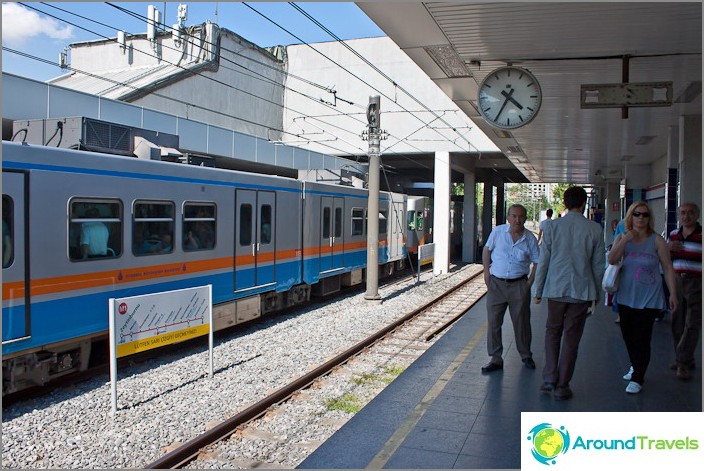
<point>611,277</point>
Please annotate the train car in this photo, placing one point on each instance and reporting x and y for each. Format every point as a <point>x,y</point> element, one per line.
<point>419,227</point>
<point>335,222</point>
<point>163,226</point>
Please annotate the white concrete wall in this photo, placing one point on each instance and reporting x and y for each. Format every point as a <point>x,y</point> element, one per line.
<point>305,116</point>
<point>242,94</point>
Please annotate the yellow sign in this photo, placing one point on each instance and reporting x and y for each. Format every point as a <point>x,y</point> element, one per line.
<point>156,341</point>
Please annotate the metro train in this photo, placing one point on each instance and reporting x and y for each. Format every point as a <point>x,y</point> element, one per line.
<point>263,242</point>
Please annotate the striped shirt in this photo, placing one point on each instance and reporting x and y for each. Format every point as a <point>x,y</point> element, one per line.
<point>689,259</point>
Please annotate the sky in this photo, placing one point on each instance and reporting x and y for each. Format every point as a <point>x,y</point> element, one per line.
<point>49,28</point>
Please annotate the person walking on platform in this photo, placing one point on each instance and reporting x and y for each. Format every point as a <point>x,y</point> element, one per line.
<point>507,258</point>
<point>569,275</point>
<point>543,223</point>
<point>685,246</point>
<point>640,295</point>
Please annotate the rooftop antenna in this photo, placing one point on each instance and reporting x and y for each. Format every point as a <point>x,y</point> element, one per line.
<point>216,13</point>
<point>63,59</point>
<point>182,14</point>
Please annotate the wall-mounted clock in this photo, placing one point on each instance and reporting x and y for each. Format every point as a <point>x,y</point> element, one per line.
<point>509,97</point>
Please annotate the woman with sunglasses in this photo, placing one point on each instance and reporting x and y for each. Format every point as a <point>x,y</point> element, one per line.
<point>640,293</point>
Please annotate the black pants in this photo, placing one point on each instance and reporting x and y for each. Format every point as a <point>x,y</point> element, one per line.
<point>637,331</point>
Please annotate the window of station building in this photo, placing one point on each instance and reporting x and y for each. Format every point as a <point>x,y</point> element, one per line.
<point>265,224</point>
<point>8,233</point>
<point>153,227</point>
<point>358,221</point>
<point>94,229</point>
<point>199,226</point>
<point>246,224</point>
<point>383,221</point>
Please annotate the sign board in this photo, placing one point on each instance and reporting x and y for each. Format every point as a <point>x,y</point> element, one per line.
<point>140,323</point>
<point>426,252</point>
<point>617,95</point>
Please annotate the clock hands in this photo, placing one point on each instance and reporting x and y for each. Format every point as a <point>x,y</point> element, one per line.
<point>508,97</point>
<point>511,99</point>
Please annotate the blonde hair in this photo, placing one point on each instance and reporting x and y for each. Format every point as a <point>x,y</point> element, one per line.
<point>629,216</point>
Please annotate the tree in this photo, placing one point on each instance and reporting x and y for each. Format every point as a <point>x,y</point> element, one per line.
<point>558,196</point>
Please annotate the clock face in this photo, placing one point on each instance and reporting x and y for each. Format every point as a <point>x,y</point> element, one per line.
<point>509,97</point>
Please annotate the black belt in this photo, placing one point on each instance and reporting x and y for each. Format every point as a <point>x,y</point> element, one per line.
<point>511,280</point>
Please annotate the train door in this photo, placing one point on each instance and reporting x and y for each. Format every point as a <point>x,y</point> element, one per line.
<point>255,248</point>
<point>15,279</point>
<point>331,233</point>
<point>396,230</point>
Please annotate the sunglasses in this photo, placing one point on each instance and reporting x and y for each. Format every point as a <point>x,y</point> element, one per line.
<point>637,214</point>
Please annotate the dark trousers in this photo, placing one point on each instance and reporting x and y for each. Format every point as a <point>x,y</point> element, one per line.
<point>637,331</point>
<point>516,296</point>
<point>687,320</point>
<point>565,325</point>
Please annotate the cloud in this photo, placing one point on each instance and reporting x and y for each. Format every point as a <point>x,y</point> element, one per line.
<point>20,24</point>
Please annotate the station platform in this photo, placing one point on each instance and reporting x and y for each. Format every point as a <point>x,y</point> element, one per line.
<point>443,412</point>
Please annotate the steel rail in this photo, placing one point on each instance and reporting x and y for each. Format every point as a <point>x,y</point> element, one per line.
<point>189,450</point>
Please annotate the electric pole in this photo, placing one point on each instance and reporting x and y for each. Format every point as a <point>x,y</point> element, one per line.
<point>374,133</point>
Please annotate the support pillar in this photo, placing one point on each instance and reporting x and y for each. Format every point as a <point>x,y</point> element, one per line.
<point>487,211</point>
<point>469,226</point>
<point>671,180</point>
<point>441,214</point>
<point>690,159</point>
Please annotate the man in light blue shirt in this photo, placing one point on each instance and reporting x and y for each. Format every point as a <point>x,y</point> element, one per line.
<point>569,275</point>
<point>507,258</point>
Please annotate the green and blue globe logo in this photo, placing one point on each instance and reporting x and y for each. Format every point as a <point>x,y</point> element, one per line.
<point>548,442</point>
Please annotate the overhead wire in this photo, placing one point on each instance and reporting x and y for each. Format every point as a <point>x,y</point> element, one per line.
<point>235,88</point>
<point>255,74</point>
<point>341,151</point>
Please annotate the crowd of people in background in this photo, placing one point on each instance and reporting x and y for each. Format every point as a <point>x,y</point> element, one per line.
<point>565,265</point>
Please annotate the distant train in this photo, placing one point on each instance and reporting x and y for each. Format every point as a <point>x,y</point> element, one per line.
<point>82,227</point>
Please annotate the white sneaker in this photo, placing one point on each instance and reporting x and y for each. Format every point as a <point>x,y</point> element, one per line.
<point>633,388</point>
<point>628,375</point>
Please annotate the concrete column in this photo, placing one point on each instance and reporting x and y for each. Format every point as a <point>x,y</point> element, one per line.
<point>441,213</point>
<point>612,210</point>
<point>487,211</point>
<point>469,228</point>
<point>671,179</point>
<point>690,158</point>
<point>500,204</point>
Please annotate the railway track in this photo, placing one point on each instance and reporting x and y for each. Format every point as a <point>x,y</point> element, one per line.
<point>102,367</point>
<point>400,342</point>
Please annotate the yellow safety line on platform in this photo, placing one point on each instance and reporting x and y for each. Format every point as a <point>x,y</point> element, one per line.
<point>393,443</point>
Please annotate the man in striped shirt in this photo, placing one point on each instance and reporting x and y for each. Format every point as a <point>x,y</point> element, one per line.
<point>686,250</point>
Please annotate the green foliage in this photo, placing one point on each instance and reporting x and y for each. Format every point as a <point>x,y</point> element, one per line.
<point>558,195</point>
<point>348,403</point>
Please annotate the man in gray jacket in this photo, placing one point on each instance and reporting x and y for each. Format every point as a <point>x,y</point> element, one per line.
<point>569,275</point>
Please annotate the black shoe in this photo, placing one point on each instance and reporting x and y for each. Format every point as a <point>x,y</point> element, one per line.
<point>530,364</point>
<point>562,393</point>
<point>547,388</point>
<point>489,367</point>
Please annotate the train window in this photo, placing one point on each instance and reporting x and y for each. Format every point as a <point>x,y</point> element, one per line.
<point>338,222</point>
<point>8,233</point>
<point>265,224</point>
<point>246,224</point>
<point>411,220</point>
<point>358,219</point>
<point>326,223</point>
<point>95,229</point>
<point>383,221</point>
<point>153,227</point>
<point>199,226</point>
